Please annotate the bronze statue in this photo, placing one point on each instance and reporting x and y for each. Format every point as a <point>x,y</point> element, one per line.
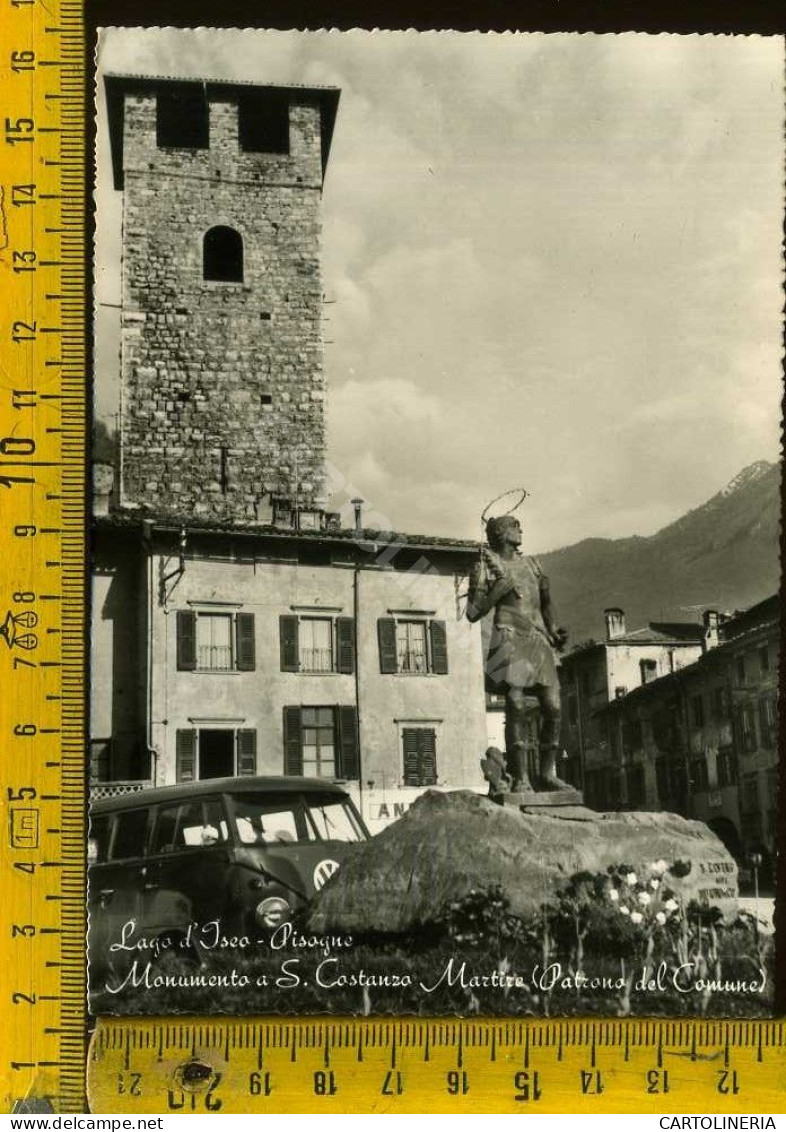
<point>520,660</point>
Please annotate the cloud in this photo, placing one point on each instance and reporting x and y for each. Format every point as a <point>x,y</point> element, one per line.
<point>550,260</point>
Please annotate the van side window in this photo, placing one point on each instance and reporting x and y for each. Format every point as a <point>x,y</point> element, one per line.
<point>98,840</point>
<point>261,822</point>
<point>191,825</point>
<point>130,833</point>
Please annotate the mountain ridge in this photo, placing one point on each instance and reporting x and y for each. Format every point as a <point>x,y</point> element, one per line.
<point>723,554</point>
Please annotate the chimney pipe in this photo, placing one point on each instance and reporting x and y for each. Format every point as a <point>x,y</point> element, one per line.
<point>615,623</point>
<point>103,488</point>
<point>711,637</point>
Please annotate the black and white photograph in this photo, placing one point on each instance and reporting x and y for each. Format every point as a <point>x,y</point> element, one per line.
<point>435,622</point>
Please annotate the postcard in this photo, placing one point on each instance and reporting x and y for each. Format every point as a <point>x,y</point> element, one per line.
<point>435,540</point>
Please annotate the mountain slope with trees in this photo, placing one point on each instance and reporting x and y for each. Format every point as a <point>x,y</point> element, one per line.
<point>722,555</point>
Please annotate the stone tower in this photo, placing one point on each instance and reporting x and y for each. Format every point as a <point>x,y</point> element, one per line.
<point>221,325</point>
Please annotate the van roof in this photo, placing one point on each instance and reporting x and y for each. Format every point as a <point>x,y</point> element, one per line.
<point>271,785</point>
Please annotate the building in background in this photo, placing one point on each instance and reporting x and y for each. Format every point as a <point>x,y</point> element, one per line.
<point>703,740</point>
<point>594,674</point>
<point>237,629</point>
<point>236,651</point>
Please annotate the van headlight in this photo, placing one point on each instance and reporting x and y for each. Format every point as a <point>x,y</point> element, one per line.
<point>272,911</point>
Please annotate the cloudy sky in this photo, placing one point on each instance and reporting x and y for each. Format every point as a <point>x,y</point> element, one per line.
<point>551,261</point>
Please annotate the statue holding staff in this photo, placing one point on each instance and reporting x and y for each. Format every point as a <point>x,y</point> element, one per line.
<point>520,660</point>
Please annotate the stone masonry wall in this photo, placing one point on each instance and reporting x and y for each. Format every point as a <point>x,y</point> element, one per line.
<point>201,358</point>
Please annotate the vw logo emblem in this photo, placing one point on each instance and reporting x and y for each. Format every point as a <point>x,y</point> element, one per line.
<point>323,872</point>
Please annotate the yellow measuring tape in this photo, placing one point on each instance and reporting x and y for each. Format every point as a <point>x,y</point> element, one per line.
<point>197,1065</point>
<point>340,1066</point>
<point>42,589</point>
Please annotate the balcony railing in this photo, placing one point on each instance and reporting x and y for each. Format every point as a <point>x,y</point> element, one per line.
<point>115,789</point>
<point>316,660</point>
<point>412,660</point>
<point>216,658</point>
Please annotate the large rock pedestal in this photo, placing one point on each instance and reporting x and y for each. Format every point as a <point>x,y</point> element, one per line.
<point>450,843</point>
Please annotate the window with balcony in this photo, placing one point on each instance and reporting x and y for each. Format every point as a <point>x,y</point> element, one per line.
<point>213,641</point>
<point>412,646</point>
<point>316,644</point>
<point>313,644</point>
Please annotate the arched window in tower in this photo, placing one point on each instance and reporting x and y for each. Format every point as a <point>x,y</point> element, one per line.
<point>222,255</point>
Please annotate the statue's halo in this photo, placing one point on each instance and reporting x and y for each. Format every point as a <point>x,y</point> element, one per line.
<point>511,500</point>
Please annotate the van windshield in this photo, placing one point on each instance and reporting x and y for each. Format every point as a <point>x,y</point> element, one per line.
<point>262,820</point>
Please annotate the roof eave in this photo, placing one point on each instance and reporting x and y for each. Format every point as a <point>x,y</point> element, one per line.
<point>117,85</point>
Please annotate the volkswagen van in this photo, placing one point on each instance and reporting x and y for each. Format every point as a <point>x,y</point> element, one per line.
<point>247,853</point>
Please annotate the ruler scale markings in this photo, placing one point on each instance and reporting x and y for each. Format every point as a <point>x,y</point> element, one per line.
<point>551,1081</point>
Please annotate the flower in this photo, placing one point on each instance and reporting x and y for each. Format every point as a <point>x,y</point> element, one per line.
<point>636,917</point>
<point>659,867</point>
<point>625,909</point>
<point>671,905</point>
<point>644,898</point>
<point>660,917</point>
<point>613,894</point>
<point>631,878</point>
<point>654,883</point>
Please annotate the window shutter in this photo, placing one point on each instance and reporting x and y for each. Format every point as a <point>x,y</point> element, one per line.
<point>736,729</point>
<point>246,751</point>
<point>386,631</point>
<point>428,757</point>
<point>293,742</point>
<point>411,759</point>
<point>245,646</point>
<point>439,648</point>
<point>185,755</point>
<point>750,715</point>
<point>345,644</point>
<point>288,636</point>
<point>349,764</point>
<point>186,640</point>
<point>764,722</point>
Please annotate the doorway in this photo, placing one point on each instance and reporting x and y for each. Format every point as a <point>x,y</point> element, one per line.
<point>216,753</point>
